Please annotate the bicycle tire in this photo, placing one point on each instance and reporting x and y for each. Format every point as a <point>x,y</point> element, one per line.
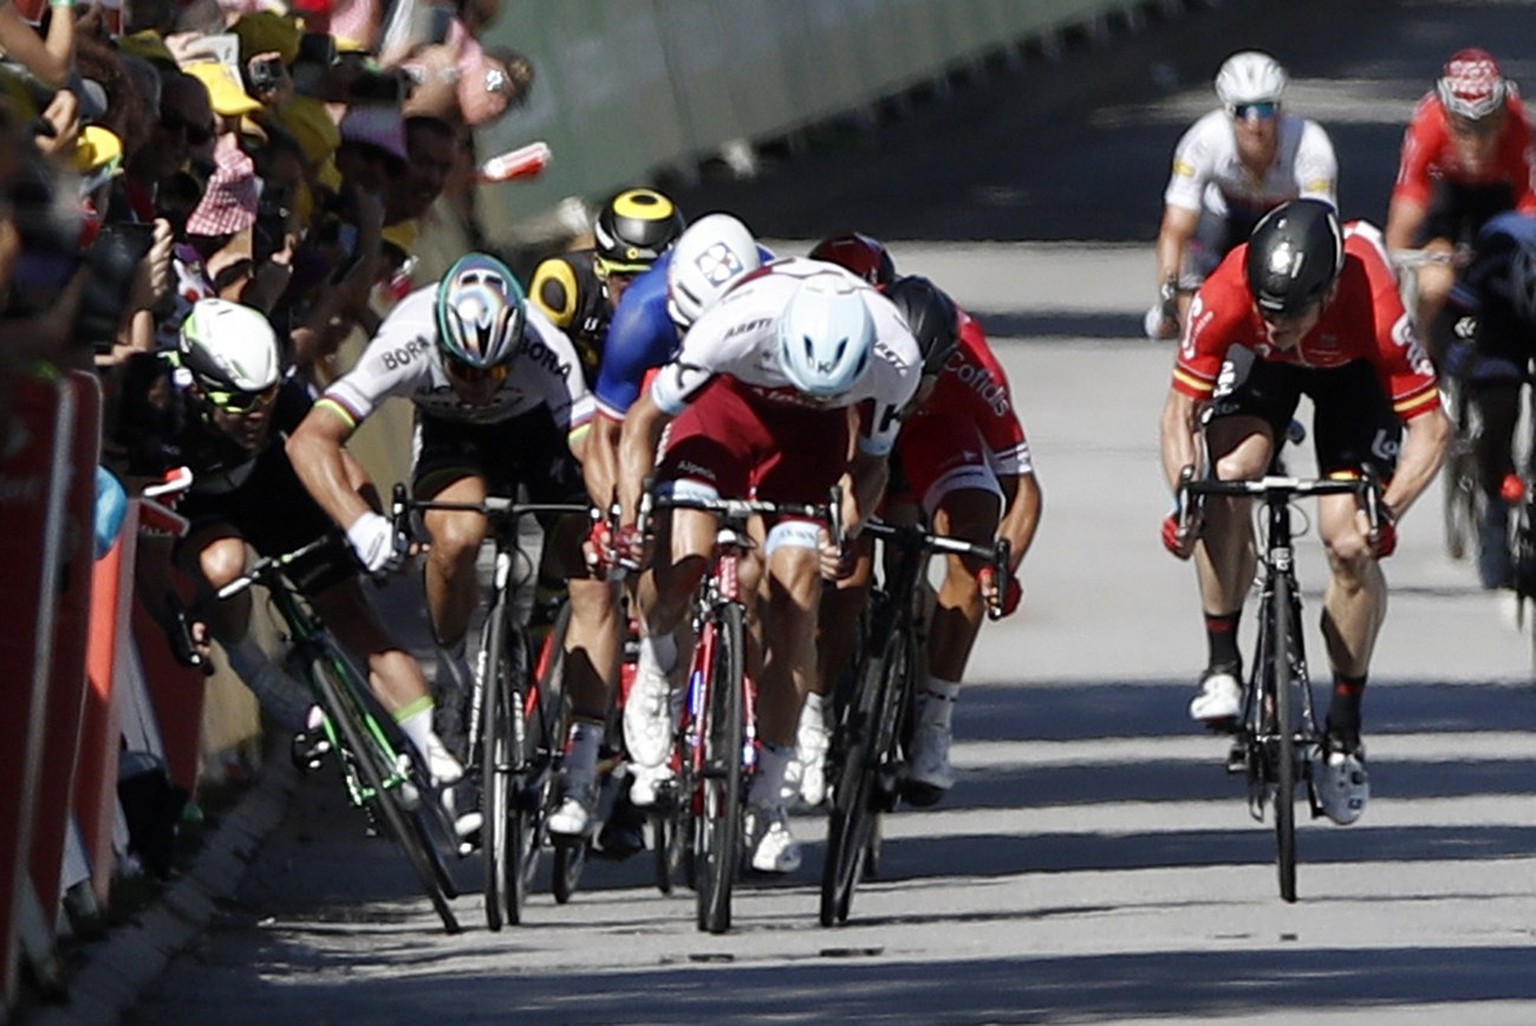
<point>872,730</point>
<point>346,710</point>
<point>1284,685</point>
<point>1463,495</point>
<point>565,875</point>
<point>500,827</point>
<point>719,828</point>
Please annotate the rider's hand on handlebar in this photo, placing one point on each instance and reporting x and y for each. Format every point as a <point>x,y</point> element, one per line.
<point>631,548</point>
<point>1011,597</point>
<point>837,561</point>
<point>1180,533</point>
<point>1384,540</point>
<point>376,543</point>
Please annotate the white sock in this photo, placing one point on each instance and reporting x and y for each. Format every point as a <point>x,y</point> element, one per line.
<point>772,762</point>
<point>939,702</point>
<point>581,750</point>
<point>658,654</point>
<point>815,706</point>
<point>286,700</point>
<point>415,722</point>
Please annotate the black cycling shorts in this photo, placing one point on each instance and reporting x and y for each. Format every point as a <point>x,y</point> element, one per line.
<point>1353,424</point>
<point>1457,211</point>
<point>274,512</point>
<point>528,450</point>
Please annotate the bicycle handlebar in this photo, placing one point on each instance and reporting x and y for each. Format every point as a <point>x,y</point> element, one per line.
<point>495,507</point>
<point>996,554</point>
<point>270,566</point>
<point>741,509</point>
<point>1279,488</point>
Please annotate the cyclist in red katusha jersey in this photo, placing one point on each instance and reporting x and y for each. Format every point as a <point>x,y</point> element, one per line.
<point>961,464</point>
<point>1466,157</point>
<point>1302,308</point>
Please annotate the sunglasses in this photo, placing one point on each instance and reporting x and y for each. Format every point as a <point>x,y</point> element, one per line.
<point>1248,111</point>
<point>197,135</point>
<point>472,375</point>
<point>242,402</point>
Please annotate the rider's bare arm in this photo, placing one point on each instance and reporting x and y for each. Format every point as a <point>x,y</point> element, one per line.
<point>1173,241</point>
<point>1404,218</point>
<point>318,454</point>
<point>1021,492</point>
<point>1178,436</point>
<point>600,460</point>
<point>643,425</point>
<point>1425,439</point>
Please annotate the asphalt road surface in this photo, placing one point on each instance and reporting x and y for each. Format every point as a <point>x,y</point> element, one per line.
<point>1094,863</point>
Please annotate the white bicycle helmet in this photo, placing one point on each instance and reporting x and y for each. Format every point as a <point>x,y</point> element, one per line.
<point>227,347</point>
<point>826,336</point>
<point>480,312</point>
<point>1250,76</point>
<point>711,254</point>
<point>1471,85</point>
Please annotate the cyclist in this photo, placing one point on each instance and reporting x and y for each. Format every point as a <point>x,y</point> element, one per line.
<point>647,328</point>
<point>498,394</point>
<point>762,401</point>
<point>1498,288</point>
<point>235,410</point>
<point>962,462</point>
<point>865,256</point>
<point>1303,307</point>
<point>579,291</point>
<point>1466,156</point>
<point>1230,168</point>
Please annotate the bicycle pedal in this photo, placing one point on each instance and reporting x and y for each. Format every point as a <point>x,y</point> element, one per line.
<point>308,751</point>
<point>1237,759</point>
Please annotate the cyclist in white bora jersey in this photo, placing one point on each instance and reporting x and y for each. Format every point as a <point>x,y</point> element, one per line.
<point>1230,168</point>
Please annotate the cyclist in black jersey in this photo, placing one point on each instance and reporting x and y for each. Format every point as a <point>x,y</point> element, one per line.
<point>580,290</point>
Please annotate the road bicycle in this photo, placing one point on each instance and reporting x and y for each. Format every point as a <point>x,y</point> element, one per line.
<point>383,774</point>
<point>1277,735</point>
<point>517,719</point>
<point>865,759</point>
<point>698,818</point>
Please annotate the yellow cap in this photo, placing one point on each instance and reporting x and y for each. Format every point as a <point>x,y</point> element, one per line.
<point>306,119</point>
<point>225,92</point>
<point>97,148</point>
<point>402,235</point>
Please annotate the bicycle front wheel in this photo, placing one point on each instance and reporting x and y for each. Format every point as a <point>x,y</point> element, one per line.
<point>387,787</point>
<point>718,831</point>
<point>870,729</point>
<point>1281,657</point>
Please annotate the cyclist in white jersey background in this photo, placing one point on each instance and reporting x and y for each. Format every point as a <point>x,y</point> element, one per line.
<point>1230,168</point>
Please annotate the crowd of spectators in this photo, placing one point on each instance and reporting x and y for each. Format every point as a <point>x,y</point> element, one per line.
<point>281,154</point>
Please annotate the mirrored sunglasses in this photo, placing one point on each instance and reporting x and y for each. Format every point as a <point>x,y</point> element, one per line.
<point>242,402</point>
<point>472,375</point>
<point>1260,111</point>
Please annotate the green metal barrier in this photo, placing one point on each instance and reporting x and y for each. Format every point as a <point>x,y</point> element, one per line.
<point>626,87</point>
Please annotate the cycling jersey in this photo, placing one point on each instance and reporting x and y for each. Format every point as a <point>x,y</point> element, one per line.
<point>1208,173</point>
<point>973,384</point>
<point>1505,340</point>
<point>738,336</point>
<point>641,336</point>
<point>402,360</point>
<point>575,299</point>
<point>1429,157</point>
<point>1364,321</point>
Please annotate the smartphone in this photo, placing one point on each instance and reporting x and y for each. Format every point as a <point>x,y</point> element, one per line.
<point>316,48</point>
<point>270,231</point>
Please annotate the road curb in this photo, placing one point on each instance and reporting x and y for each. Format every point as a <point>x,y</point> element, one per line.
<point>109,976</point>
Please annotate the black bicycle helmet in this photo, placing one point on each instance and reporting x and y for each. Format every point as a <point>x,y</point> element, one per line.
<point>930,315</point>
<point>1522,282</point>
<point>1295,255</point>
<point>633,229</point>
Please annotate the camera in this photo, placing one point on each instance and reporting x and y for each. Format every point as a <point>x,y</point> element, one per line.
<point>265,73</point>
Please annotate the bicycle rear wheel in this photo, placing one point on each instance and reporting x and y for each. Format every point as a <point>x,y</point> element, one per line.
<point>1285,728</point>
<point>871,729</point>
<point>382,775</point>
<point>1463,495</point>
<point>718,830</point>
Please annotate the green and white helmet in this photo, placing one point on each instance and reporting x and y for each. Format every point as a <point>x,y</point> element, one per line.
<point>227,347</point>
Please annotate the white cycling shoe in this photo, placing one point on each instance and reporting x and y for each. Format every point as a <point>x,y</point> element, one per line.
<point>1220,697</point>
<point>648,718</point>
<point>771,846</point>
<point>1342,784</point>
<point>574,816</point>
<point>805,779</point>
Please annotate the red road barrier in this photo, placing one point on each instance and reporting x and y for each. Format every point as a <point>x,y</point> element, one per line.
<point>66,695</point>
<point>33,473</point>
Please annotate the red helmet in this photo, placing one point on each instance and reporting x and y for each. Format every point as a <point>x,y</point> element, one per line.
<point>860,254</point>
<point>1472,86</point>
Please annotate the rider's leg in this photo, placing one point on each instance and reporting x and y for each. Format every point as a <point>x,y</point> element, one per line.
<point>1498,403</point>
<point>393,673</point>
<point>214,556</point>
<point>452,586</point>
<point>1225,558</point>
<point>1434,283</point>
<point>1354,607</point>
<point>970,514</point>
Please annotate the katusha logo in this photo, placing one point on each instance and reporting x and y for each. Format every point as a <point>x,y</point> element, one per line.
<point>719,264</point>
